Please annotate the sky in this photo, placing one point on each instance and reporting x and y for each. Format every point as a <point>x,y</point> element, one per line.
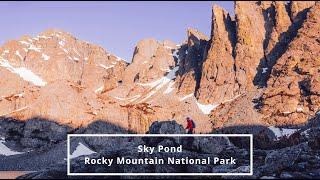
<point>116,26</point>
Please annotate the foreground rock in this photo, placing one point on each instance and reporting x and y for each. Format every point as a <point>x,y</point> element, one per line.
<point>295,156</point>
<point>34,133</point>
<point>200,148</point>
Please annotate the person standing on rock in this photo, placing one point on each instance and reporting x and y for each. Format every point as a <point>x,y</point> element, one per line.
<point>190,125</point>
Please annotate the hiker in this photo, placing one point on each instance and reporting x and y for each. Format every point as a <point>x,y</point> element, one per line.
<point>190,125</point>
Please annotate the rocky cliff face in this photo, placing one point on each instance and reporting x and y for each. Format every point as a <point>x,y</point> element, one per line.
<point>298,9</point>
<point>249,47</point>
<point>190,66</point>
<point>218,70</point>
<point>273,85</point>
<point>55,76</point>
<point>159,84</point>
<point>292,94</point>
<point>258,67</point>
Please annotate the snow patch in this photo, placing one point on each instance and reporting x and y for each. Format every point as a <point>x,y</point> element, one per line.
<point>229,100</point>
<point>158,84</point>
<point>175,54</point>
<point>19,55</point>
<point>44,37</point>
<point>20,95</point>
<point>28,75</point>
<point>133,98</point>
<point>165,69</point>
<point>305,133</point>
<point>170,76</point>
<point>24,42</point>
<point>65,50</point>
<point>45,57</point>
<point>23,72</point>
<point>300,109</point>
<point>206,108</point>
<point>62,43</point>
<point>162,81</point>
<point>81,150</point>
<point>34,48</point>
<point>264,70</point>
<point>280,132</point>
<point>118,58</point>
<point>4,150</point>
<point>106,67</point>
<point>169,88</point>
<point>148,96</point>
<point>100,89</point>
<point>186,97</point>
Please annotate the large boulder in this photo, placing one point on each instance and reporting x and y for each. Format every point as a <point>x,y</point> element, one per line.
<point>11,129</point>
<point>40,132</point>
<point>278,160</point>
<point>166,127</point>
<point>210,145</point>
<point>106,143</point>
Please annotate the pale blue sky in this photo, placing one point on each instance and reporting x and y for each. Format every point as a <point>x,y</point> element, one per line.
<point>116,26</point>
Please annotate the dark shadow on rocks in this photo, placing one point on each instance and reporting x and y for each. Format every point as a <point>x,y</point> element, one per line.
<point>35,133</point>
<point>270,59</point>
<point>314,121</point>
<point>43,141</point>
<point>263,137</point>
<point>192,58</point>
<point>103,127</point>
<point>271,158</point>
<point>203,149</point>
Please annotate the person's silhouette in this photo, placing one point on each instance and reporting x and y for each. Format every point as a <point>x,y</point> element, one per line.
<point>190,125</point>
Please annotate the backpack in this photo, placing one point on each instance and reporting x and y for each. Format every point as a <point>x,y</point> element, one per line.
<point>193,124</point>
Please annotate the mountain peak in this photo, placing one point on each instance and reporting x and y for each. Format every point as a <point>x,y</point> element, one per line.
<point>194,32</point>
<point>55,31</point>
